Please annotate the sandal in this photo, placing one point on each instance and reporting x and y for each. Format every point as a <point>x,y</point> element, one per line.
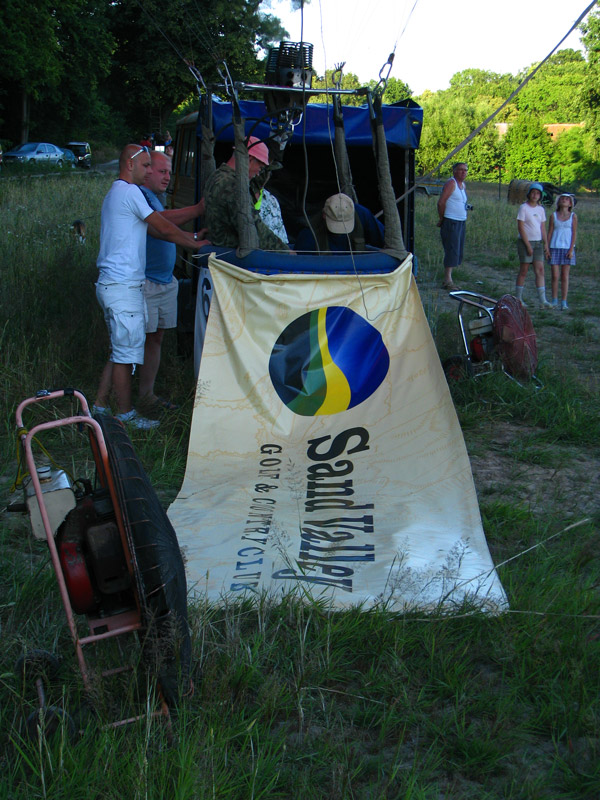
<point>449,286</point>
<point>156,403</point>
<point>165,404</point>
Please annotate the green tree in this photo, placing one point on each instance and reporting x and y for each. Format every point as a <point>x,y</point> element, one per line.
<point>478,85</point>
<point>29,59</point>
<point>572,161</point>
<point>51,65</point>
<point>150,78</point>
<point>349,81</point>
<point>528,150</point>
<point>447,120</point>
<point>590,90</point>
<point>395,91</point>
<point>554,93</point>
<point>485,155</point>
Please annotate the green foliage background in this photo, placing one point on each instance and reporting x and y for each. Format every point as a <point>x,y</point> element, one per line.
<point>108,71</point>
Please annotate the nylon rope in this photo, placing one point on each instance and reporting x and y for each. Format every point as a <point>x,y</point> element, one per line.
<point>492,116</point>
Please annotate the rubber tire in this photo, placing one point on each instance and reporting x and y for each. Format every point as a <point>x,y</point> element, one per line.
<point>160,571</point>
<point>59,163</point>
<point>51,718</point>
<point>457,368</point>
<point>36,664</point>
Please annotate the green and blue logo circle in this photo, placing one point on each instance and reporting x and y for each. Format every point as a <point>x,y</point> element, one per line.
<point>327,361</point>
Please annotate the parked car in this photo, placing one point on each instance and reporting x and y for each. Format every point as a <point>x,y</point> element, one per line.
<point>83,153</point>
<point>431,186</point>
<point>40,152</point>
<point>70,157</point>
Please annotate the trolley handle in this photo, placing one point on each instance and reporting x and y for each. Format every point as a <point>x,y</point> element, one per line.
<point>463,296</point>
<point>52,394</point>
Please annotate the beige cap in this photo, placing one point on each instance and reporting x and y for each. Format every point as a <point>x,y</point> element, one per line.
<point>339,213</point>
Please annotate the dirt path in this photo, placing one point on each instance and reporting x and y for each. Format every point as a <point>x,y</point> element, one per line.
<point>511,460</point>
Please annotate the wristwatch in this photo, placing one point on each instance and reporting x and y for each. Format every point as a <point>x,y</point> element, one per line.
<point>195,236</point>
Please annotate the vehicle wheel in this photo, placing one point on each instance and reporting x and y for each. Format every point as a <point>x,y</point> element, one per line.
<point>59,163</point>
<point>457,368</point>
<point>158,564</point>
<point>37,664</point>
<point>48,721</point>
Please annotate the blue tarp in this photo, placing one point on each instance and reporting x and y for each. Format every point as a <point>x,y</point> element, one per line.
<point>402,123</point>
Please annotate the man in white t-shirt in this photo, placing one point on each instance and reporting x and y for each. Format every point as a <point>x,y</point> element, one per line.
<point>126,218</point>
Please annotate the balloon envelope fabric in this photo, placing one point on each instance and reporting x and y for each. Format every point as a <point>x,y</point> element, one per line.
<point>325,453</point>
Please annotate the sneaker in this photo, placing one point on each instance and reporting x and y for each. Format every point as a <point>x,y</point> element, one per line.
<point>545,304</point>
<point>554,302</point>
<point>141,423</point>
<point>564,306</point>
<point>102,411</point>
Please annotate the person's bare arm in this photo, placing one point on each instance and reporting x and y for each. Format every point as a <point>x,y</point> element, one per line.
<point>161,228</point>
<point>545,239</point>
<point>179,216</point>
<point>523,235</point>
<point>573,236</point>
<point>550,227</point>
<point>449,187</point>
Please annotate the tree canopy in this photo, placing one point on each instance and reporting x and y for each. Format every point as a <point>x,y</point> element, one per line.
<point>111,70</point>
<point>82,63</point>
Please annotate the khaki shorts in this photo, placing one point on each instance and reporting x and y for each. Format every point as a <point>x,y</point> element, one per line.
<point>124,310</point>
<point>161,301</point>
<point>538,251</point>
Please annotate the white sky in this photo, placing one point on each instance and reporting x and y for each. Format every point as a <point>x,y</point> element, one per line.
<point>442,37</point>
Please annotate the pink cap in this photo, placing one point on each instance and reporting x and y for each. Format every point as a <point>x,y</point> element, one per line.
<point>258,149</point>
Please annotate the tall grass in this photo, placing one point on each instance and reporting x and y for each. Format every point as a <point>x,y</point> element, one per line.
<point>293,701</point>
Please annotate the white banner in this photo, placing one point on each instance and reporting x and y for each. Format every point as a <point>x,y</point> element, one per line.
<point>325,453</point>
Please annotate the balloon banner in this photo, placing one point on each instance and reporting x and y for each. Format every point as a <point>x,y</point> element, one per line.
<point>325,453</point>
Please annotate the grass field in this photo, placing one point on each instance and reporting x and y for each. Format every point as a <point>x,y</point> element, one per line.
<point>295,702</point>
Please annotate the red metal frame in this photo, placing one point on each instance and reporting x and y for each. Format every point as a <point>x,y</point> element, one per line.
<point>117,624</point>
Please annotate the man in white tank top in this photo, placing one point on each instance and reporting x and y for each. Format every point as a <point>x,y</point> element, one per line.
<point>452,210</point>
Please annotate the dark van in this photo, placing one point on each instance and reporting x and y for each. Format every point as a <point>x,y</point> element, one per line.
<point>83,153</point>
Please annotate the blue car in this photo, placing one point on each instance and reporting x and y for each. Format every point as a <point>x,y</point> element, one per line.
<point>70,158</point>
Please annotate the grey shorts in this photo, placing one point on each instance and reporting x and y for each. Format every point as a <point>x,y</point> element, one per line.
<point>453,241</point>
<point>124,310</point>
<point>161,300</point>
<point>538,251</point>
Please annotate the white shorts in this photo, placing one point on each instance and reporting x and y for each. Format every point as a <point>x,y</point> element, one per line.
<point>161,302</point>
<point>125,314</point>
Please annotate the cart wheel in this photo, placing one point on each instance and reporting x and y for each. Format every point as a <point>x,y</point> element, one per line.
<point>457,368</point>
<point>157,562</point>
<point>37,664</point>
<point>48,721</point>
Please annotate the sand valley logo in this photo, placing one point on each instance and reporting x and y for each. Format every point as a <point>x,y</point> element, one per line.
<point>327,361</point>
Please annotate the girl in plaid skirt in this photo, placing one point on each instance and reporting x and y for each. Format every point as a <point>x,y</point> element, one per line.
<point>562,233</point>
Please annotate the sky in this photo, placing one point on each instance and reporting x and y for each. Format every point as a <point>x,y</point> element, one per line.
<point>437,40</point>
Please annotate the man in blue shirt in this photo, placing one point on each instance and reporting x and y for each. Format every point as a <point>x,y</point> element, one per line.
<point>160,288</point>
<point>342,227</point>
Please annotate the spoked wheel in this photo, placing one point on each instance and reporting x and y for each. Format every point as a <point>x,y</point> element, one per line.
<point>457,368</point>
<point>515,338</point>
<point>157,564</point>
